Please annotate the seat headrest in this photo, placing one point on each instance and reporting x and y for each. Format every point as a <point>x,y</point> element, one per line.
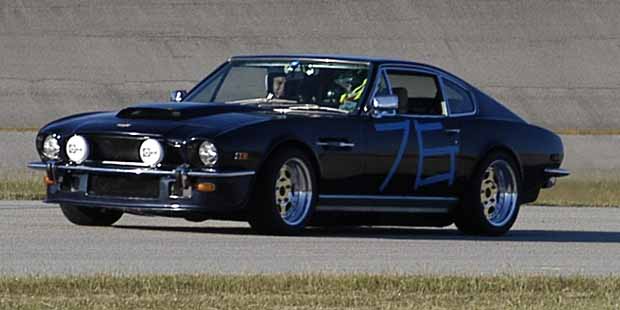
<point>403,99</point>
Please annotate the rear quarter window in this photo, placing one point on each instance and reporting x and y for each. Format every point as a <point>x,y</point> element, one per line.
<point>459,100</point>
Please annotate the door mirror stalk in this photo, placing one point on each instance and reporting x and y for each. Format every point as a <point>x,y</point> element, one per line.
<point>178,95</point>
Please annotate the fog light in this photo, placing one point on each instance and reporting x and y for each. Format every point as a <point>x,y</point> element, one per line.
<point>77,149</point>
<point>205,187</point>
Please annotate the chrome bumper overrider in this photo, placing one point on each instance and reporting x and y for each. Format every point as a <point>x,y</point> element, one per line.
<point>556,172</point>
<point>551,174</point>
<point>52,166</point>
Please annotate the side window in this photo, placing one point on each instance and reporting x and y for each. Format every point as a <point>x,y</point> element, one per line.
<point>382,89</point>
<point>458,98</point>
<point>418,93</point>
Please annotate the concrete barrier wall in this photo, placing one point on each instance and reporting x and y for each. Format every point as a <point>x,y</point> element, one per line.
<point>555,62</point>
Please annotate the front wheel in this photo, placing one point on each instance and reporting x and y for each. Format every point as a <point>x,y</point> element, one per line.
<point>491,203</point>
<point>88,216</point>
<point>285,194</point>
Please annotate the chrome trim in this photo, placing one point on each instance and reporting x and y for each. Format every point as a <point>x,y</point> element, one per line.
<point>336,144</point>
<point>315,58</point>
<point>138,171</point>
<point>499,193</point>
<point>385,102</point>
<point>293,191</point>
<point>124,163</point>
<point>383,209</point>
<point>557,172</point>
<point>384,106</point>
<point>423,69</point>
<point>377,197</point>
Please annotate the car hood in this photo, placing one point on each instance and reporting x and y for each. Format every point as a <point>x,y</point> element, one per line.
<point>175,120</point>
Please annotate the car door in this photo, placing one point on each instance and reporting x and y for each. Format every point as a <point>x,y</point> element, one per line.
<point>338,143</point>
<point>413,152</point>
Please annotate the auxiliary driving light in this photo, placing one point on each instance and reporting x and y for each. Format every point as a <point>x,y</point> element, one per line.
<point>151,152</point>
<point>77,149</point>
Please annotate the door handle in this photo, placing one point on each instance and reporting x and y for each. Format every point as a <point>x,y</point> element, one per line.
<point>452,131</point>
<point>339,144</point>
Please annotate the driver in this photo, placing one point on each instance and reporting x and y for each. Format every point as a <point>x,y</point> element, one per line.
<point>278,86</point>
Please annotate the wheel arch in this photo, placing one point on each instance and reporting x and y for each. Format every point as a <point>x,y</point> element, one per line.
<point>500,148</point>
<point>291,143</point>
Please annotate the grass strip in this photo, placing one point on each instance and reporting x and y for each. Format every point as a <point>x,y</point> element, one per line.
<point>568,192</point>
<point>22,188</point>
<point>576,192</point>
<point>586,132</point>
<point>309,291</point>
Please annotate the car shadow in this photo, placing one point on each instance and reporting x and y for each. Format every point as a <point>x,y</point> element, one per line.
<point>398,233</point>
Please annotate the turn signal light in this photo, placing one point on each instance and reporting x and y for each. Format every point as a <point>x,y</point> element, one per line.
<point>47,180</point>
<point>205,187</point>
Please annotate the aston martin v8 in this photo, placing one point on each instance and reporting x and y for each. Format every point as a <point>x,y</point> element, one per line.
<point>287,141</point>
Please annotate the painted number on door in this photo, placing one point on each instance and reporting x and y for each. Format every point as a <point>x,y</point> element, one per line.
<point>420,128</point>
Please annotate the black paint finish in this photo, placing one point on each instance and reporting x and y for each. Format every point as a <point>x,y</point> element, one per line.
<point>352,156</point>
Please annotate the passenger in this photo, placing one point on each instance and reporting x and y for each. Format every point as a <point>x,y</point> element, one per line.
<point>348,100</point>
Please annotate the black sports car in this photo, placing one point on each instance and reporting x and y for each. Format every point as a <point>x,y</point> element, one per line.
<point>289,141</point>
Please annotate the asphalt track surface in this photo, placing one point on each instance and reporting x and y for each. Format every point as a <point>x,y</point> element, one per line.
<point>36,239</point>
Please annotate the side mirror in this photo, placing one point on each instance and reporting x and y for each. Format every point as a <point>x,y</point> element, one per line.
<point>384,106</point>
<point>178,95</point>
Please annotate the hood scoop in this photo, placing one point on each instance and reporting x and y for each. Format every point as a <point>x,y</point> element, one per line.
<point>179,111</point>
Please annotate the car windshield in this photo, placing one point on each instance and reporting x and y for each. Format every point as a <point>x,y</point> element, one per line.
<point>298,85</point>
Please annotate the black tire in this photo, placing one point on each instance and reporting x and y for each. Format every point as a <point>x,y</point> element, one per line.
<point>470,217</point>
<point>89,216</point>
<point>265,216</point>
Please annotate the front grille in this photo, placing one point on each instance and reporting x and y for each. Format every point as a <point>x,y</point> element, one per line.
<point>126,149</point>
<point>130,186</point>
<point>115,148</point>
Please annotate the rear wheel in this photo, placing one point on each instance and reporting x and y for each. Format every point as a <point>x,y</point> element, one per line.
<point>285,194</point>
<point>491,202</point>
<point>88,216</point>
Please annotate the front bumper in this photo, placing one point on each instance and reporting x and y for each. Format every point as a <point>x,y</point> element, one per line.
<point>176,191</point>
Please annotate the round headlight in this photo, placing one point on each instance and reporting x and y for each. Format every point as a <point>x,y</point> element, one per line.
<point>207,153</point>
<point>51,147</point>
<point>151,152</point>
<point>77,149</point>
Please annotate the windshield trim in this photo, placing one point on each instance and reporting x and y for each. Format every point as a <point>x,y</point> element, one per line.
<point>221,69</point>
<point>224,68</point>
<point>293,58</point>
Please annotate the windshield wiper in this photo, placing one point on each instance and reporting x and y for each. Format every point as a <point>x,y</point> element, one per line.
<point>262,101</point>
<point>315,107</point>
